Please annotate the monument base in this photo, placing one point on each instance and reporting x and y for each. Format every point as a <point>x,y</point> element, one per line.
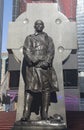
<point>39,125</point>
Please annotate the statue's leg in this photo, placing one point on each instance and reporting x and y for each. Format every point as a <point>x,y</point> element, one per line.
<point>45,105</point>
<point>27,106</point>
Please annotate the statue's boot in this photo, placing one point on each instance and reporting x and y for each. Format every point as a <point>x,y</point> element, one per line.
<point>27,107</point>
<point>45,105</point>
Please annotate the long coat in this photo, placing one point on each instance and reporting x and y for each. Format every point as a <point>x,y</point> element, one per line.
<point>38,72</point>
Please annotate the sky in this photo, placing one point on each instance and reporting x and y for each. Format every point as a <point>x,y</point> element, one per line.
<point>6,19</point>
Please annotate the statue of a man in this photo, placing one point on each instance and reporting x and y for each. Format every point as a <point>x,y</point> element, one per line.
<point>38,72</point>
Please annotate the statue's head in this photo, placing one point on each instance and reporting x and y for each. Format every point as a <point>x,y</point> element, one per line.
<point>39,25</point>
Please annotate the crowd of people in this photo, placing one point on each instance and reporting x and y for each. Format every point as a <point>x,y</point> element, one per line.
<point>7,103</point>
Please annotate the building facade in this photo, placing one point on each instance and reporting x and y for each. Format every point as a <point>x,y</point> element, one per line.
<point>4,57</point>
<point>70,66</point>
<point>16,9</point>
<point>80,54</point>
<point>68,8</point>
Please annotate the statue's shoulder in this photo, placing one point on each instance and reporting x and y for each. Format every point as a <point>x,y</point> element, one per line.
<point>50,38</point>
<point>29,36</point>
<point>47,36</point>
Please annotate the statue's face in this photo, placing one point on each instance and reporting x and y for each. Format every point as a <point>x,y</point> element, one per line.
<point>39,26</point>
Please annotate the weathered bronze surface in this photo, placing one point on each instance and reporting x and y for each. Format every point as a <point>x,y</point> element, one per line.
<point>38,73</point>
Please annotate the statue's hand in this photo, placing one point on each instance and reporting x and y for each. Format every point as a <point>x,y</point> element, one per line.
<point>57,89</point>
<point>44,65</point>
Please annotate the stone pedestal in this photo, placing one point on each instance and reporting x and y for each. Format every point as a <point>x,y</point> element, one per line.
<point>39,125</point>
<point>35,128</point>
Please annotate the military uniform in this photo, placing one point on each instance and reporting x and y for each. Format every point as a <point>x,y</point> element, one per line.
<point>38,73</point>
<point>39,53</point>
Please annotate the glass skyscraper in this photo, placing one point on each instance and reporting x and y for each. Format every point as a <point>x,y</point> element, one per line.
<point>80,35</point>
<point>16,9</point>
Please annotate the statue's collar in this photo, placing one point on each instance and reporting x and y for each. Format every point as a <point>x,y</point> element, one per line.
<point>36,33</point>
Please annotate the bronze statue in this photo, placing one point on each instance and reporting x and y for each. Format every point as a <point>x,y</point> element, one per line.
<point>38,72</point>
